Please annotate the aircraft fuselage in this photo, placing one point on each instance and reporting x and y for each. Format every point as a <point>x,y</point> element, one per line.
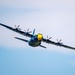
<point>34,42</point>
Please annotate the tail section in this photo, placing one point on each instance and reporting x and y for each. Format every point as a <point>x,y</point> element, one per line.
<point>42,46</point>
<point>21,39</point>
<point>33,32</point>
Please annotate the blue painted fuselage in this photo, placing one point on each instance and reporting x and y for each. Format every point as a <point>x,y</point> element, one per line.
<point>34,42</point>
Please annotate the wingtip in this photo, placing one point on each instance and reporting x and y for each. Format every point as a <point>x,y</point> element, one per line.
<point>0,23</point>
<point>15,37</point>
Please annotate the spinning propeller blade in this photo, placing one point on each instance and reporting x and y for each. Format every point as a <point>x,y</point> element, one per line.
<point>27,31</point>
<point>48,38</point>
<point>17,27</point>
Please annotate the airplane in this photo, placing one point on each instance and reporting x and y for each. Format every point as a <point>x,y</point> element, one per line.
<point>35,40</point>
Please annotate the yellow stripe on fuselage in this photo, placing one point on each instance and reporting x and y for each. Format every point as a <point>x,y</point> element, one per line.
<point>40,37</point>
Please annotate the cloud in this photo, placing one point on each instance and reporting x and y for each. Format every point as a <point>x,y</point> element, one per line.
<point>72,62</point>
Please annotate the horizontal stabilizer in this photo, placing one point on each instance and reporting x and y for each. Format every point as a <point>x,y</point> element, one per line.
<point>42,46</point>
<point>21,39</point>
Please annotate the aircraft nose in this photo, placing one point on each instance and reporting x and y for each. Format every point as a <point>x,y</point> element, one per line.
<point>40,36</point>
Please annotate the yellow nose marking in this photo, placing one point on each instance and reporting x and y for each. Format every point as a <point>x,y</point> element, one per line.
<point>40,37</point>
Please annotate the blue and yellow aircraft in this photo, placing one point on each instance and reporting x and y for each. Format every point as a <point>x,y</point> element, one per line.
<point>35,40</point>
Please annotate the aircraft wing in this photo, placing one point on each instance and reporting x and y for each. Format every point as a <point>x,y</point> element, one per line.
<point>57,44</point>
<point>17,30</point>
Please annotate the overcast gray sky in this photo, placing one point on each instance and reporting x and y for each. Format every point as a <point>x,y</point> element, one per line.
<point>53,18</point>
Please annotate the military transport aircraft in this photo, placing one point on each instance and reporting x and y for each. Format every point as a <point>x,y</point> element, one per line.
<point>35,40</point>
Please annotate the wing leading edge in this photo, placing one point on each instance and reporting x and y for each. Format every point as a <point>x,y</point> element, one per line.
<point>30,35</point>
<point>57,44</point>
<point>17,30</point>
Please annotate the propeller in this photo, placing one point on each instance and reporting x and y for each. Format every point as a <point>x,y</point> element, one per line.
<point>17,27</point>
<point>48,38</point>
<point>59,41</point>
<point>27,31</point>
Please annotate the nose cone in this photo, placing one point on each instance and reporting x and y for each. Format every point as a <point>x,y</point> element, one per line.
<point>40,37</point>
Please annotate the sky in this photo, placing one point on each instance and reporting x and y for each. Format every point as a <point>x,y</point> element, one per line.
<point>53,18</point>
